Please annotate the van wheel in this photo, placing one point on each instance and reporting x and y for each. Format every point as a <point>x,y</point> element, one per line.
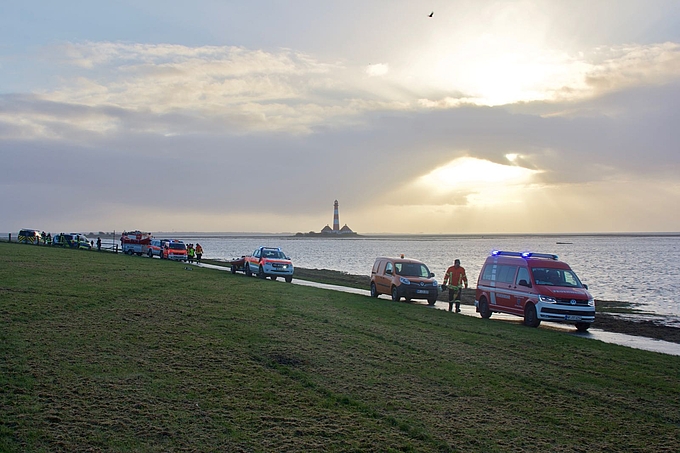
<point>149,254</point>
<point>248,273</point>
<point>233,269</point>
<point>289,279</point>
<point>530,317</point>
<point>395,294</point>
<point>260,272</point>
<point>582,326</point>
<point>374,290</point>
<point>431,301</point>
<point>484,311</point>
<point>273,277</point>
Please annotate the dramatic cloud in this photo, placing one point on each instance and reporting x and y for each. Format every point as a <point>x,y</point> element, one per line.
<point>469,125</point>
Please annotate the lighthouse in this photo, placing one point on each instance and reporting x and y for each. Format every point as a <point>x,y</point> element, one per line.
<point>336,218</point>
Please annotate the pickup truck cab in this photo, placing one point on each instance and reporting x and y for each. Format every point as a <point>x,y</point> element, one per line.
<point>156,248</point>
<point>269,262</point>
<point>536,286</point>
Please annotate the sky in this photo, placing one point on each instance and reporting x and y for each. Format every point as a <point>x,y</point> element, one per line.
<point>234,116</point>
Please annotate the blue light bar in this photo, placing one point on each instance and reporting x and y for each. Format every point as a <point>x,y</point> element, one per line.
<point>524,254</point>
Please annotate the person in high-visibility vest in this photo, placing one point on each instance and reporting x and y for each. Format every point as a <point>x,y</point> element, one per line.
<point>199,252</point>
<point>454,280</point>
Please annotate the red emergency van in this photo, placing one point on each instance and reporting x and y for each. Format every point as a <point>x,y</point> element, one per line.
<point>537,286</point>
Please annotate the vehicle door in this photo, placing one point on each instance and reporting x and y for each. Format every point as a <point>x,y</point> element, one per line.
<point>505,286</point>
<point>384,278</point>
<point>254,260</point>
<point>523,290</point>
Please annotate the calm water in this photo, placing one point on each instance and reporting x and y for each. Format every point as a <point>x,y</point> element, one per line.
<point>644,270</point>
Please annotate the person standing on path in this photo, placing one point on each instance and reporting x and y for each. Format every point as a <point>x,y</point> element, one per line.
<point>190,253</point>
<point>199,253</point>
<point>99,244</point>
<point>456,278</point>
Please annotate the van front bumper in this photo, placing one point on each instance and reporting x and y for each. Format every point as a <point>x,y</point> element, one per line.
<point>557,313</point>
<point>418,292</point>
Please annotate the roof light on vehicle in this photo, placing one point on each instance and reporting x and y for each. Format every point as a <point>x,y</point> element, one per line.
<point>524,254</point>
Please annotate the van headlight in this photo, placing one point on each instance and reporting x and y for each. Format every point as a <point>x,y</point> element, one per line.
<point>435,284</point>
<point>547,299</point>
<point>591,302</point>
<point>404,281</point>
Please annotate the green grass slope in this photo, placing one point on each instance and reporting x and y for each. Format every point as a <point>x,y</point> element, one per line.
<point>104,352</point>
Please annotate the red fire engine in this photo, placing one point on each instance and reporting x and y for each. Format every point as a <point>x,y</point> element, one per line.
<point>135,242</point>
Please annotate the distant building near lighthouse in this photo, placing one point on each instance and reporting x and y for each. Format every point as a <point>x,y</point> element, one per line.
<point>336,231</point>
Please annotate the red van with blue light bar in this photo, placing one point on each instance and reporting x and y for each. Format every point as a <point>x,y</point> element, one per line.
<point>536,286</point>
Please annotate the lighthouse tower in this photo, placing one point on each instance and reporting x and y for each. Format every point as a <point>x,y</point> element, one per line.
<point>336,218</point>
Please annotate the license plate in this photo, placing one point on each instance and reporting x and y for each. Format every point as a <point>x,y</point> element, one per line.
<point>572,318</point>
<point>422,291</point>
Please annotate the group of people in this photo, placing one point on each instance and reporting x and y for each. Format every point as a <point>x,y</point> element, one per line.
<point>194,252</point>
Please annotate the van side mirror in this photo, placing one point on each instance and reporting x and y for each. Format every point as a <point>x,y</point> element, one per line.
<point>431,274</point>
<point>388,271</point>
<point>524,283</point>
<point>585,286</point>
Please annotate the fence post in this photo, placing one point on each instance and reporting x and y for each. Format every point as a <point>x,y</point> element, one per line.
<point>9,237</point>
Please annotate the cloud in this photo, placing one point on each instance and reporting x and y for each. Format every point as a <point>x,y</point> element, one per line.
<point>377,70</point>
<point>234,139</point>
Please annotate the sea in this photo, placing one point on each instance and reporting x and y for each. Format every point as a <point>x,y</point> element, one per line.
<point>643,270</point>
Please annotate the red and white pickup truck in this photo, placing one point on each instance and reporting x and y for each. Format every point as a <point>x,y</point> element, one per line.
<point>268,262</point>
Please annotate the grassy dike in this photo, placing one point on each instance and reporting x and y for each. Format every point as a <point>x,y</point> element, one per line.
<point>104,352</point>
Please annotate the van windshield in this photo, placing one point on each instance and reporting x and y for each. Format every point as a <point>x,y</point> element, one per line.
<point>412,270</point>
<point>176,246</point>
<point>555,277</point>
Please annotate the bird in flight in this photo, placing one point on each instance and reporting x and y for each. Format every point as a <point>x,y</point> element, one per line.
<point>431,14</point>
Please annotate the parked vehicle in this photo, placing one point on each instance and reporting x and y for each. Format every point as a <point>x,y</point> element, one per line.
<point>174,250</point>
<point>72,240</point>
<point>156,248</point>
<point>135,242</point>
<point>27,236</point>
<point>269,262</point>
<point>402,277</point>
<point>536,286</point>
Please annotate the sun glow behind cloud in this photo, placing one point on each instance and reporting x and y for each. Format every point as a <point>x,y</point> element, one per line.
<point>481,182</point>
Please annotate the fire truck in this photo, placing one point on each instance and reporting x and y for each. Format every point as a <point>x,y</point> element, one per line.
<point>135,242</point>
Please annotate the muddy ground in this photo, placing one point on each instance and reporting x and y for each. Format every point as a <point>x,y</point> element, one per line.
<point>608,312</point>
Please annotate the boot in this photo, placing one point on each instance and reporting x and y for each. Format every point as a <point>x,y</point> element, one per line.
<point>450,306</point>
<point>457,307</point>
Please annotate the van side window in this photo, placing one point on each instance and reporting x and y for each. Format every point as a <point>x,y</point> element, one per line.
<point>506,273</point>
<point>523,274</point>
<point>487,274</point>
<point>388,268</point>
<point>375,266</point>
